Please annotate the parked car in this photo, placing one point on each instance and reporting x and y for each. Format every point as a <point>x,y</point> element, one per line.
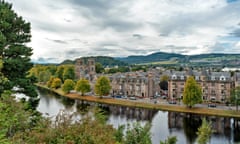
<point>164,97</point>
<point>117,96</point>
<point>124,97</point>
<point>132,98</point>
<point>212,105</point>
<point>172,102</point>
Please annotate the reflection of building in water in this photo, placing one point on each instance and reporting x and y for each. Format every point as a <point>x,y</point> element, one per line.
<point>133,113</point>
<point>221,125</point>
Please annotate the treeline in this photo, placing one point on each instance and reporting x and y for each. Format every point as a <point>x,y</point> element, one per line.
<point>104,60</point>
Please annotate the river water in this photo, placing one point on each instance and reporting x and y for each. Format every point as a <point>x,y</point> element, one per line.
<point>164,123</point>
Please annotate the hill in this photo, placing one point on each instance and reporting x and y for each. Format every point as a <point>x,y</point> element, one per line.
<point>155,57</point>
<point>173,58</point>
<point>104,60</point>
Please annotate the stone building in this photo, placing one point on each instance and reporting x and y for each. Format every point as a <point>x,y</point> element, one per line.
<point>85,68</point>
<point>215,85</point>
<point>137,84</point>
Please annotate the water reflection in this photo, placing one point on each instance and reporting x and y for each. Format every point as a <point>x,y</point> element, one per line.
<point>222,127</point>
<point>184,126</point>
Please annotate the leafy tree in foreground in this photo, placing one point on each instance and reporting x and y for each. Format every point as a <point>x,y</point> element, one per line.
<point>170,140</point>
<point>192,93</point>
<point>138,134</point>
<point>14,34</point>
<point>235,97</point>
<point>83,86</point>
<point>68,85</point>
<point>204,132</point>
<point>102,86</point>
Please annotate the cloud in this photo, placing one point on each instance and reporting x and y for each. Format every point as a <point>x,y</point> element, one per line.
<point>76,28</point>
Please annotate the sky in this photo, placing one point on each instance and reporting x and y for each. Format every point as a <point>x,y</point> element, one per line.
<point>69,29</point>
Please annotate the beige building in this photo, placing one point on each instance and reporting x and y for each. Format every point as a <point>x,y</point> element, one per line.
<point>85,68</point>
<point>138,84</point>
<point>215,85</point>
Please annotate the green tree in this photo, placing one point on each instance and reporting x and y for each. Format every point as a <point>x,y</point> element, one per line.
<point>102,86</point>
<point>44,76</point>
<point>68,73</point>
<point>14,117</point>
<point>138,134</point>
<point>83,86</point>
<point>204,132</point>
<point>59,72</point>
<point>164,82</point>
<point>170,140</point>
<point>99,68</point>
<point>50,81</point>
<point>3,79</point>
<point>15,33</point>
<point>235,96</point>
<point>68,85</point>
<point>192,93</point>
<point>56,83</point>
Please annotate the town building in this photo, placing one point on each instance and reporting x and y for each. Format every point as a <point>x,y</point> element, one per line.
<point>138,84</point>
<point>85,68</point>
<point>215,85</point>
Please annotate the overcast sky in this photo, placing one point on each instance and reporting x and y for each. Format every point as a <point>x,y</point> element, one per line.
<point>68,29</point>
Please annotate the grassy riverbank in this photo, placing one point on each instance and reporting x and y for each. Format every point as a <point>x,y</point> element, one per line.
<point>164,107</point>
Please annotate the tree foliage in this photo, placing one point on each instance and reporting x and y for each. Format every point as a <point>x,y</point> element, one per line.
<point>164,82</point>
<point>170,140</point>
<point>192,93</point>
<point>68,73</point>
<point>68,85</point>
<point>83,86</point>
<point>235,97</point>
<point>14,34</point>
<point>138,134</point>
<point>102,86</point>
<point>99,68</point>
<point>59,72</point>
<point>56,83</point>
<point>14,118</point>
<point>204,132</point>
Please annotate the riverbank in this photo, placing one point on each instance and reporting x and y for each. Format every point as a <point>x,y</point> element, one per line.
<point>164,107</point>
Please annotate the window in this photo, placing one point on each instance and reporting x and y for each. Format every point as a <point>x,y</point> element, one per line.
<point>213,78</point>
<point>222,78</point>
<point>196,77</point>
<point>182,77</point>
<point>174,77</point>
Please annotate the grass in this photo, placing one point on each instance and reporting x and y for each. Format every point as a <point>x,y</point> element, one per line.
<point>132,103</point>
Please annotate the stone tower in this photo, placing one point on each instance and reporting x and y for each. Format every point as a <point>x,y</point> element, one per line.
<point>85,68</point>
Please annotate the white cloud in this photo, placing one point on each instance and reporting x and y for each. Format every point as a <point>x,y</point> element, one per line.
<point>67,29</point>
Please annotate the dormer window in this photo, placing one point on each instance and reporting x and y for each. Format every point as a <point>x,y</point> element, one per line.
<point>222,78</point>
<point>174,77</point>
<point>213,78</point>
<point>182,77</point>
<point>196,77</point>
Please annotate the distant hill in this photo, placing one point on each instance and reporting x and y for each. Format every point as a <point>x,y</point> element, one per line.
<point>168,58</point>
<point>104,60</point>
<point>161,57</point>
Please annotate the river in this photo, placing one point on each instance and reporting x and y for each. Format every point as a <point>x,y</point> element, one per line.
<point>164,123</point>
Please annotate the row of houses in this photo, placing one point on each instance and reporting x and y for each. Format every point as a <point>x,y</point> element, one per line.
<point>215,85</point>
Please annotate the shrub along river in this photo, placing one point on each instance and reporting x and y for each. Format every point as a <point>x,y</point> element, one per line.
<point>164,123</point>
